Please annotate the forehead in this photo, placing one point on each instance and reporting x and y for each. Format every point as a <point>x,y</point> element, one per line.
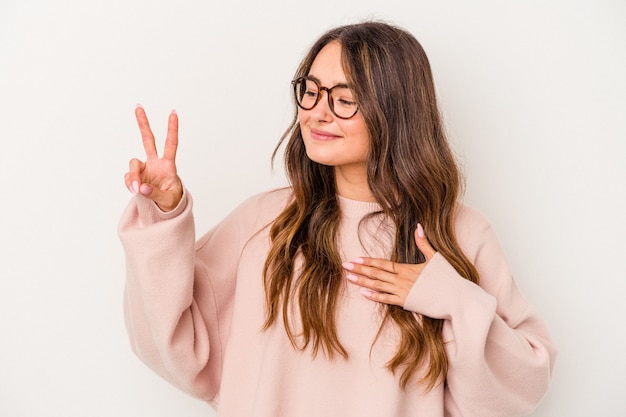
<point>327,67</point>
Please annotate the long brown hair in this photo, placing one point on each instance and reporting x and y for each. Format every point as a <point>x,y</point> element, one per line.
<point>412,174</point>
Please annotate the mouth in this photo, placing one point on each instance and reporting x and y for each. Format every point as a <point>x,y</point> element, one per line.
<point>323,135</point>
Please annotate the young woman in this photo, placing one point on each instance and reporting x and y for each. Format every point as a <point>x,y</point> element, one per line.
<point>364,289</point>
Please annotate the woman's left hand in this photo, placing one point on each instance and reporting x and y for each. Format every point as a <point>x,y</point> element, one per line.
<point>385,281</point>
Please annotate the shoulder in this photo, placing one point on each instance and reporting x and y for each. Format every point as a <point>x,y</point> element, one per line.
<point>248,218</point>
<point>261,209</point>
<point>266,202</point>
<point>469,220</point>
<point>472,229</point>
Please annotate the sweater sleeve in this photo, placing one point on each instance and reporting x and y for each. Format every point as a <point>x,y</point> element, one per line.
<point>500,354</point>
<point>178,294</point>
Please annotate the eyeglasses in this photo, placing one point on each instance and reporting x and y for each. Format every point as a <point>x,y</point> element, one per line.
<point>340,98</point>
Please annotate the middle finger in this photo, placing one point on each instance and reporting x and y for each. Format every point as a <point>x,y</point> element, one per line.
<point>171,141</point>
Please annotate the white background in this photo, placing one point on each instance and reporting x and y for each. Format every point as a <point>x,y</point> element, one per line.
<point>533,94</point>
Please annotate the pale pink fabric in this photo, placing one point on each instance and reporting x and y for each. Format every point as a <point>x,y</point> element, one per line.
<point>194,312</point>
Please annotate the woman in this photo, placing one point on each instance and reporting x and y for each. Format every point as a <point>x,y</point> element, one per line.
<point>364,289</point>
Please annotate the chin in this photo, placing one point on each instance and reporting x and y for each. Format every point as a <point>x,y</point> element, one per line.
<point>321,160</point>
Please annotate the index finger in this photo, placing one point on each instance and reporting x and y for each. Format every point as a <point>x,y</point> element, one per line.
<point>378,263</point>
<point>171,140</point>
<point>146,132</point>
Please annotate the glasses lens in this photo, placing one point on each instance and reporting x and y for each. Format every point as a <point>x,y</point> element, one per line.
<point>344,104</point>
<point>307,93</point>
<point>341,99</point>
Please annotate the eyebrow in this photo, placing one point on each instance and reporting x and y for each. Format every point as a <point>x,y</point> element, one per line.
<point>313,77</point>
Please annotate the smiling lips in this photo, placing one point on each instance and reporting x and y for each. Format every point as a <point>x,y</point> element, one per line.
<point>323,135</point>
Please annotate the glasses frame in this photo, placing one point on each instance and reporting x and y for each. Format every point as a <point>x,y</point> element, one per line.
<point>329,92</point>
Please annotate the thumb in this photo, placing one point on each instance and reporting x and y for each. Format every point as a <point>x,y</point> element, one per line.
<point>422,242</point>
<point>167,199</point>
<point>145,189</point>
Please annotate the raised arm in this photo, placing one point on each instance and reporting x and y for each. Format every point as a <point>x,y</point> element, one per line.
<point>174,302</point>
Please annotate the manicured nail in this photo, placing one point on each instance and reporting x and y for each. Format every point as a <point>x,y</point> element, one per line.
<point>174,111</point>
<point>367,293</point>
<point>134,187</point>
<point>145,189</point>
<point>348,265</point>
<point>420,230</point>
<point>358,261</point>
<point>352,277</point>
<point>139,106</point>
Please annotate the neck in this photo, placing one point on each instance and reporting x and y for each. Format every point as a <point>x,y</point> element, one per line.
<point>352,183</point>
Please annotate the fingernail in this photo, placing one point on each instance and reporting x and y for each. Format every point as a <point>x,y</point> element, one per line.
<point>348,265</point>
<point>352,277</point>
<point>358,261</point>
<point>134,187</point>
<point>145,189</point>
<point>174,111</point>
<point>420,230</point>
<point>367,293</point>
<point>139,106</point>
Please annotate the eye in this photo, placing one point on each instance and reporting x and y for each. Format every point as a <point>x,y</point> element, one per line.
<point>344,97</point>
<point>346,102</point>
<point>309,89</point>
<point>311,93</point>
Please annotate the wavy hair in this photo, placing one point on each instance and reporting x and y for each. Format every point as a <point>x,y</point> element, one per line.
<point>411,172</point>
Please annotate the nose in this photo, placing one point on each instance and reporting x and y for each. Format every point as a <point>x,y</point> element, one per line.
<point>321,111</point>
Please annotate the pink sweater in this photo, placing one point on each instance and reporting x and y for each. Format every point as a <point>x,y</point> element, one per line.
<point>194,312</point>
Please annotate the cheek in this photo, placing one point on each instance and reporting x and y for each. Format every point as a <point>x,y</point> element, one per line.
<point>361,138</point>
<point>303,117</point>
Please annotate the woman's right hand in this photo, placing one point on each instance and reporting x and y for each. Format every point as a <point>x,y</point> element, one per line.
<point>156,178</point>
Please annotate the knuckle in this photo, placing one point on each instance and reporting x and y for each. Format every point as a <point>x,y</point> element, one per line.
<point>134,163</point>
<point>376,273</point>
<point>379,263</point>
<point>379,297</point>
<point>377,286</point>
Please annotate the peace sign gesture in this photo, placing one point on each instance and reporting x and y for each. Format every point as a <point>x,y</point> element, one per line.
<point>156,178</point>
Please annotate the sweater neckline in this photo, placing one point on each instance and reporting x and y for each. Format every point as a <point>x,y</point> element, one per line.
<point>355,209</point>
